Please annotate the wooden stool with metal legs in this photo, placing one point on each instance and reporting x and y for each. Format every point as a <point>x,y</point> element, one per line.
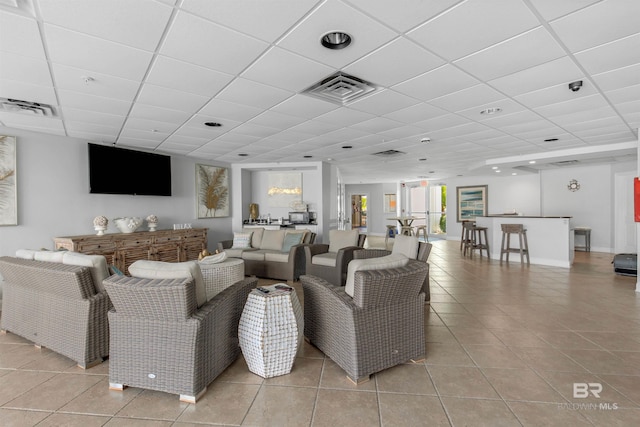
<point>407,230</point>
<point>422,229</point>
<point>523,249</point>
<point>477,243</point>
<point>465,240</point>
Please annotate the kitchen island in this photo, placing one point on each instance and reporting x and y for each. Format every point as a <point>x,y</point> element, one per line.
<point>550,238</point>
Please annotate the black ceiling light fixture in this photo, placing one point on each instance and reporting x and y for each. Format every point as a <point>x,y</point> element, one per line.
<point>336,40</point>
<point>242,154</point>
<point>213,124</point>
<point>575,86</point>
<point>551,140</point>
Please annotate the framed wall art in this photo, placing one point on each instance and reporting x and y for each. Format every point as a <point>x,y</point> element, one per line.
<point>212,191</point>
<point>8,189</point>
<point>284,188</point>
<point>472,202</point>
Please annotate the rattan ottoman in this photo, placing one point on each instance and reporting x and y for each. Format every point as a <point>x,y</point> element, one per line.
<point>221,275</point>
<point>271,331</point>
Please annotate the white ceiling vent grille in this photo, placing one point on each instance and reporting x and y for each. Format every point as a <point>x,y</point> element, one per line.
<point>565,163</point>
<point>340,88</point>
<point>26,107</point>
<point>389,153</point>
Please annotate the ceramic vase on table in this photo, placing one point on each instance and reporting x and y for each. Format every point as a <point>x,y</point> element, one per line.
<point>100,224</point>
<point>128,224</point>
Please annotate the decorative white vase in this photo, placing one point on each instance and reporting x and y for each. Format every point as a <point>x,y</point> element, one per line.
<point>152,226</point>
<point>100,229</point>
<point>128,224</point>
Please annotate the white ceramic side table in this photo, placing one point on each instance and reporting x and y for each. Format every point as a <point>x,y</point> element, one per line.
<point>271,330</point>
<point>221,275</point>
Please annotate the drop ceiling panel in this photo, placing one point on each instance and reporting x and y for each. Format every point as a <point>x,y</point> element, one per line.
<point>551,9</point>
<point>408,58</point>
<point>103,85</point>
<point>436,83</point>
<point>448,34</point>
<point>552,73</point>
<point>19,90</point>
<point>115,20</point>
<point>224,110</point>
<point>143,134</point>
<point>627,94</point>
<point>192,78</point>
<point>611,56</point>
<point>172,99</point>
<point>33,122</point>
<point>92,127</point>
<point>412,12</point>
<point>471,97</point>
<point>441,122</point>
<point>82,115</point>
<point>145,124</point>
<point>377,124</point>
<point>367,34</point>
<point>507,105</point>
<point>555,94</point>
<point>403,132</point>
<point>24,69</point>
<point>416,113</point>
<point>583,29</point>
<point>304,106</point>
<point>24,35</point>
<point>249,16</point>
<point>247,92</point>
<point>286,70</point>
<point>583,116</point>
<point>252,129</point>
<point>530,49</point>
<point>344,117</point>
<point>194,40</point>
<point>142,111</point>
<point>277,120</point>
<point>619,78</point>
<point>383,102</point>
<point>95,54</point>
<point>94,103</point>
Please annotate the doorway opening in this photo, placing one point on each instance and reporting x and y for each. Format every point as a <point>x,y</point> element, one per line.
<point>359,212</point>
<point>428,203</point>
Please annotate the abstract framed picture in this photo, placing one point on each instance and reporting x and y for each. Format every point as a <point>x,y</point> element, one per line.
<point>212,191</point>
<point>8,188</point>
<point>472,202</point>
<point>284,189</point>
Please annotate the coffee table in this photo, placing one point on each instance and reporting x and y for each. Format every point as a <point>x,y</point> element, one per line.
<point>271,330</point>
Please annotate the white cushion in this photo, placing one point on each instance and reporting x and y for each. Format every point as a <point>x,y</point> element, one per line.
<point>26,253</point>
<point>253,255</point>
<point>237,253</point>
<point>328,259</point>
<point>389,261</point>
<point>339,239</point>
<point>272,239</point>
<point>277,256</point>
<point>214,259</point>
<point>377,242</point>
<point>96,263</point>
<point>171,270</point>
<point>256,237</point>
<point>406,245</point>
<point>242,240</point>
<point>50,256</point>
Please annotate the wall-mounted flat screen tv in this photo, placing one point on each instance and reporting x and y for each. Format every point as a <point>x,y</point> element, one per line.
<point>115,170</point>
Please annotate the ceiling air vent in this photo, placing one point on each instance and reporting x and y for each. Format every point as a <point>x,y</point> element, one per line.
<point>26,107</point>
<point>389,153</point>
<point>565,163</point>
<point>340,88</point>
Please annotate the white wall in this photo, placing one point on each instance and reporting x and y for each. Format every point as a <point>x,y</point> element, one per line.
<point>54,199</point>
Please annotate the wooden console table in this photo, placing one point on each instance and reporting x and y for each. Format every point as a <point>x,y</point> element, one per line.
<point>122,249</point>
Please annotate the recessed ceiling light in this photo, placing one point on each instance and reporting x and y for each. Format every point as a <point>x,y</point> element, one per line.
<point>513,173</point>
<point>498,171</point>
<point>347,146</point>
<point>307,157</point>
<point>551,140</point>
<point>336,40</point>
<point>492,110</point>
<point>422,159</point>
<point>531,162</point>
<point>212,124</point>
<point>494,167</point>
<point>243,154</point>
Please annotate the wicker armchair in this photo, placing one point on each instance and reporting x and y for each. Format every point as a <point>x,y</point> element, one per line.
<point>161,341</point>
<point>380,327</point>
<point>424,249</point>
<point>330,261</point>
<point>57,306</point>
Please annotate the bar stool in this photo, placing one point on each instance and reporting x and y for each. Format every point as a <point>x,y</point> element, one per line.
<point>422,229</point>
<point>407,230</point>
<point>523,249</point>
<point>465,239</point>
<point>477,234</point>
<point>586,232</point>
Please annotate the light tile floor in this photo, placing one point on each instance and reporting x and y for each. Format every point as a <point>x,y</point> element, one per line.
<point>505,345</point>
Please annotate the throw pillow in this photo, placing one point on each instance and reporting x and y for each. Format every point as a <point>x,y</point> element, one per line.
<point>241,240</point>
<point>115,270</point>
<point>272,240</point>
<point>291,239</point>
<point>406,245</point>
<point>389,261</point>
<point>339,239</point>
<point>375,242</point>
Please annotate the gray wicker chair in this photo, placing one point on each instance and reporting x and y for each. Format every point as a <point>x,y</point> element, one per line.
<point>380,327</point>
<point>335,273</point>
<point>424,249</point>
<point>56,306</point>
<point>161,341</point>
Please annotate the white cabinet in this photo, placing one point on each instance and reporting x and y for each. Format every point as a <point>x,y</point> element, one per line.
<point>265,226</point>
<point>311,227</point>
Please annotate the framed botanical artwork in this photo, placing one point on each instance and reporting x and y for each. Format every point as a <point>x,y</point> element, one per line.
<point>8,189</point>
<point>212,191</point>
<point>472,202</point>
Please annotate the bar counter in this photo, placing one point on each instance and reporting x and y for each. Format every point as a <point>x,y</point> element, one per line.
<point>550,238</point>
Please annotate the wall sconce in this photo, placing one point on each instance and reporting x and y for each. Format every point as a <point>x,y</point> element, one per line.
<point>573,185</point>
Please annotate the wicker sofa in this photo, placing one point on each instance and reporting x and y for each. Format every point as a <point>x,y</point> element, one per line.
<point>56,305</point>
<point>161,340</point>
<point>380,326</point>
<point>265,256</point>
